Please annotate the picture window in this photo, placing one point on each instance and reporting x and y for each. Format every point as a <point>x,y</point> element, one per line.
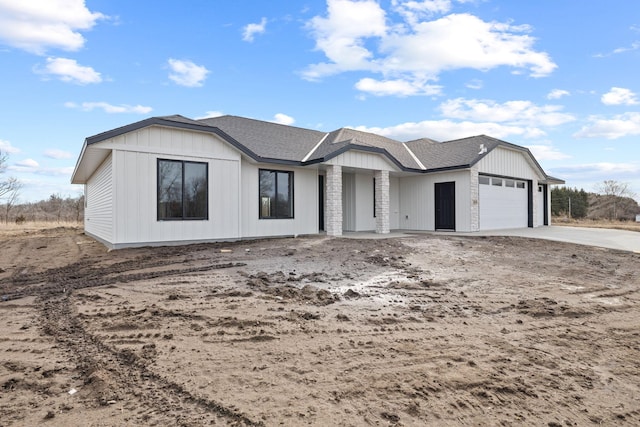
<point>183,190</point>
<point>276,194</point>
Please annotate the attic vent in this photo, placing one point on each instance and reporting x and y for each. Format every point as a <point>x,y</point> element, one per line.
<point>483,149</point>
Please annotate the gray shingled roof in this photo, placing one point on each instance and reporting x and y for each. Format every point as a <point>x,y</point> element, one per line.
<point>180,119</point>
<point>446,155</point>
<point>272,142</point>
<point>338,140</point>
<point>268,140</point>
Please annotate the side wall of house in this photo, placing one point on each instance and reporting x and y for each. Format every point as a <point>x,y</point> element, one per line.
<point>135,186</point>
<point>98,215</point>
<point>417,200</point>
<point>305,199</point>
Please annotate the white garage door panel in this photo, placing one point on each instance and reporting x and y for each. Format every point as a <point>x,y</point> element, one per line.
<point>503,207</point>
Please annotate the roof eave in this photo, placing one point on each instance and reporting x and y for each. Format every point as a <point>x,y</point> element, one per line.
<point>76,168</point>
<point>366,148</point>
<point>552,181</point>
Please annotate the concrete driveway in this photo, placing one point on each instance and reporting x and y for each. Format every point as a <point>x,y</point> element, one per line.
<point>601,237</point>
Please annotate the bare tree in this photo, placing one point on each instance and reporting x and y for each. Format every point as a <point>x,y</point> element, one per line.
<point>11,197</point>
<point>615,188</point>
<point>9,188</point>
<point>613,199</point>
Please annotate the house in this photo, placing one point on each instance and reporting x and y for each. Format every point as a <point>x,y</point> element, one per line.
<point>170,180</point>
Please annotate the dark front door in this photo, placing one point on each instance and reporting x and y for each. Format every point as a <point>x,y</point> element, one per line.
<point>321,202</point>
<point>445,205</point>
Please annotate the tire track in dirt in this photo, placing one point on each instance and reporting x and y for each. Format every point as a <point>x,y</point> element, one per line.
<point>121,374</point>
<point>111,373</point>
<point>83,274</point>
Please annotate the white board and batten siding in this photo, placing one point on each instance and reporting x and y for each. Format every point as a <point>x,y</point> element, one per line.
<point>135,156</point>
<point>362,160</point>
<point>305,199</point>
<point>509,163</point>
<point>417,200</point>
<point>394,203</point>
<point>98,216</point>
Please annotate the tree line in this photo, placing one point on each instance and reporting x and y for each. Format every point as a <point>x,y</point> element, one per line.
<point>612,200</point>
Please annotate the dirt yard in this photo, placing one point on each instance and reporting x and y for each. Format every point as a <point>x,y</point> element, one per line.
<point>421,330</point>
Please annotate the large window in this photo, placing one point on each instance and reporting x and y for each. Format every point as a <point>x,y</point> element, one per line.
<point>182,190</point>
<point>276,194</point>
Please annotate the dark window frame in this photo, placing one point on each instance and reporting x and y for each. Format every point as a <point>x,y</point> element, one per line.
<point>291,198</point>
<point>184,216</point>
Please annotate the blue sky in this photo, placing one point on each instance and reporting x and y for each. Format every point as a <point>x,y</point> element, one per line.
<point>557,76</point>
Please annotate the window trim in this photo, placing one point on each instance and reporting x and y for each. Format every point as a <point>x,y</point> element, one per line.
<point>291,193</point>
<point>183,217</point>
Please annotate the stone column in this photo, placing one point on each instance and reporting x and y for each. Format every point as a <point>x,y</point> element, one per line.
<point>333,202</point>
<point>382,201</point>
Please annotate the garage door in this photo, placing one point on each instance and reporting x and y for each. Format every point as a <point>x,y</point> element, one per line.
<point>503,203</point>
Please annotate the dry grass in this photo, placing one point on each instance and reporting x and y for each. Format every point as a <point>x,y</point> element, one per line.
<point>600,223</point>
<point>12,229</point>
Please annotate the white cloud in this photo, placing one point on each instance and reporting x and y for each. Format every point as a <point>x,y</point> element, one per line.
<point>109,108</point>
<point>627,124</point>
<point>512,112</point>
<point>340,36</point>
<point>558,93</point>
<point>396,87</point>
<point>444,130</point>
<point>250,30</point>
<point>283,119</point>
<point>30,166</point>
<point>463,41</point>
<point>547,152</point>
<point>186,73</point>
<point>36,25</point>
<point>68,70</point>
<point>358,36</point>
<point>475,84</point>
<point>634,46</point>
<point>210,114</point>
<point>413,11</point>
<point>57,154</point>
<point>27,163</point>
<point>6,147</point>
<point>619,96</point>
<point>604,170</point>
